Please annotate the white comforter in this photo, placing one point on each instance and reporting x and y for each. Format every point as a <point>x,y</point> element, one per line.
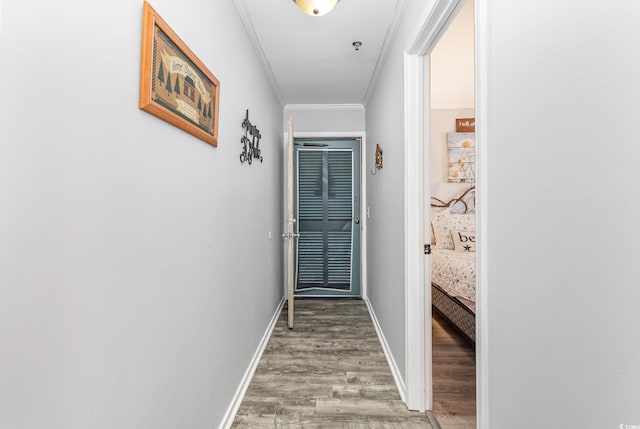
<point>455,272</point>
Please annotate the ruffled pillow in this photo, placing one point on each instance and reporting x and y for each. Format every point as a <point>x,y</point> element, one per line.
<point>444,222</point>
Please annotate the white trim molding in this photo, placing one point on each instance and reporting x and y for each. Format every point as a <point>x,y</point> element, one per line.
<point>328,134</point>
<point>247,21</point>
<point>388,38</point>
<point>230,415</point>
<point>417,301</point>
<point>483,121</point>
<point>395,371</point>
<point>417,361</point>
<point>433,27</point>
<point>334,107</point>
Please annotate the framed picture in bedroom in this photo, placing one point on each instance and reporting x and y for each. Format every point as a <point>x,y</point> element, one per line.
<point>174,84</point>
<point>461,150</point>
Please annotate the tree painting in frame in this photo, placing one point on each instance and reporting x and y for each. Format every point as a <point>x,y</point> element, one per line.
<point>174,84</point>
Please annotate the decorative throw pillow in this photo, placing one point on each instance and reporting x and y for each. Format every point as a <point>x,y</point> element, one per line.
<point>444,222</point>
<point>464,241</point>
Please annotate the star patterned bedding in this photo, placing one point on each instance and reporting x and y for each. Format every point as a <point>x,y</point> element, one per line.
<point>453,260</point>
<point>455,272</point>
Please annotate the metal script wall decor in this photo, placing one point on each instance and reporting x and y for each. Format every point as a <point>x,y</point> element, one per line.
<point>250,145</point>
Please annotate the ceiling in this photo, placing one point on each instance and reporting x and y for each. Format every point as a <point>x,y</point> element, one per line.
<point>311,60</point>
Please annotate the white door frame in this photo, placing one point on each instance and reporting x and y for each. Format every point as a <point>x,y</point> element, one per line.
<point>363,195</point>
<point>417,277</point>
<point>417,302</point>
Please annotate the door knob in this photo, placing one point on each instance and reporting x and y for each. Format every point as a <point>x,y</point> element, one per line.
<point>356,221</point>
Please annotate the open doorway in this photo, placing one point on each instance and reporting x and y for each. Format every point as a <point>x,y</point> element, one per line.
<point>451,196</point>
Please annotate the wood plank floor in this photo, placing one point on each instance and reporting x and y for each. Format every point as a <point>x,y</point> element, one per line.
<point>454,377</point>
<point>328,372</point>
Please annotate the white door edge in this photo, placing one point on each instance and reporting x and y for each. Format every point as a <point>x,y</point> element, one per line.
<point>482,284</point>
<point>417,360</point>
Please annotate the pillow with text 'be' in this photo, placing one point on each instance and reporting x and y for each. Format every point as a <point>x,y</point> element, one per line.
<point>464,241</point>
<point>445,223</point>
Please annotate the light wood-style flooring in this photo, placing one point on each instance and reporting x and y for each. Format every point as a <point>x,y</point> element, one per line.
<point>454,377</point>
<point>328,372</point>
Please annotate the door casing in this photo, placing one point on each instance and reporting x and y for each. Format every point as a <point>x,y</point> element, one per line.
<point>363,198</point>
<point>343,145</point>
<point>418,341</point>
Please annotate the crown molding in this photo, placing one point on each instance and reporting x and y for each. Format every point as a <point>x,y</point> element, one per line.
<point>340,107</point>
<point>247,22</point>
<point>392,30</point>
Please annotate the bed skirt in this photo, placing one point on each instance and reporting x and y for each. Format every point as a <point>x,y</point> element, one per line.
<point>460,316</point>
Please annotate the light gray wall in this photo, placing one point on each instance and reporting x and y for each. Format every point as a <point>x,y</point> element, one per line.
<point>325,118</point>
<point>385,191</point>
<point>561,188</point>
<point>136,273</point>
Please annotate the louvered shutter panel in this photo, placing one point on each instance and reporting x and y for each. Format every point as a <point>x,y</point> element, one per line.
<point>325,199</point>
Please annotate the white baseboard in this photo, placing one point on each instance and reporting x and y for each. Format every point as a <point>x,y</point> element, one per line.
<point>230,415</point>
<point>397,377</point>
<point>435,424</point>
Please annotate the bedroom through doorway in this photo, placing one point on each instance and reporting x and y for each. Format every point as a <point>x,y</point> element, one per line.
<point>451,220</point>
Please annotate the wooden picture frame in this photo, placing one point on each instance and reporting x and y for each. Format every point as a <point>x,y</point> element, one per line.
<point>174,84</point>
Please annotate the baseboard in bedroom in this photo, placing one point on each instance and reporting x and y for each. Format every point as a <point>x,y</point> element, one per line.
<point>397,377</point>
<point>433,420</point>
<point>230,415</point>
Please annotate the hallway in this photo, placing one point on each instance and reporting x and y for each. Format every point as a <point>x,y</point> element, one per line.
<point>328,372</point>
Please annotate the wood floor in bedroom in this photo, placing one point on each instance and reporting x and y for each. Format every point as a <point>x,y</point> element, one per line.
<point>454,377</point>
<point>328,372</point>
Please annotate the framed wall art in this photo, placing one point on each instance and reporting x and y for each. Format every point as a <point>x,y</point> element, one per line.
<point>462,157</point>
<point>174,84</point>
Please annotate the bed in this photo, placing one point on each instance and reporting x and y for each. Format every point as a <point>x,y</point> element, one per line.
<point>453,261</point>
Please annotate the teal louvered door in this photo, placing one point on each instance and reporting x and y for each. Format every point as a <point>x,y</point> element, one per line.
<point>328,217</point>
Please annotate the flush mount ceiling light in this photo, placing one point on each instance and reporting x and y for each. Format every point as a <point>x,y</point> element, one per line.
<point>316,7</point>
